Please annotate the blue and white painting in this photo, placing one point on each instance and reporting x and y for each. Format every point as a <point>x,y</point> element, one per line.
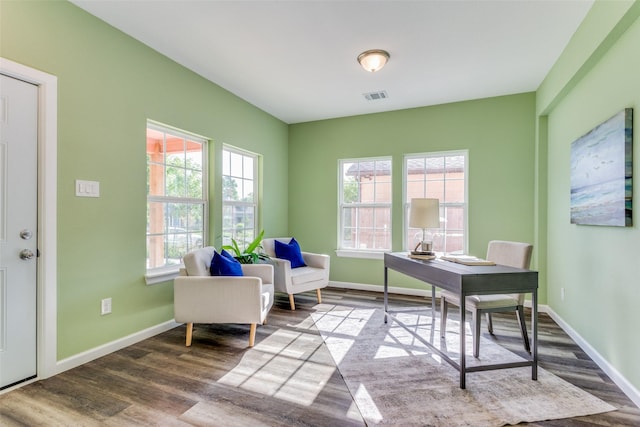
<point>601,172</point>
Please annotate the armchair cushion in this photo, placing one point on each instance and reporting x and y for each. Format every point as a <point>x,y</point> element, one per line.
<point>225,265</point>
<point>290,251</point>
<point>303,275</point>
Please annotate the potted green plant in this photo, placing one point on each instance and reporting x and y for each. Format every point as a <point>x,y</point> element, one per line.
<point>252,254</point>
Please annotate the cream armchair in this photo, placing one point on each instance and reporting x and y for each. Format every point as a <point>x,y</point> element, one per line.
<point>302,279</point>
<point>199,297</point>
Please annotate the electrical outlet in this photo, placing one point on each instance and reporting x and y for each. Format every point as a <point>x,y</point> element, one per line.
<point>106,306</point>
<point>561,294</point>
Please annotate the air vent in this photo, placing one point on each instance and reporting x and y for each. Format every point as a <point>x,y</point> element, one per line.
<point>374,96</point>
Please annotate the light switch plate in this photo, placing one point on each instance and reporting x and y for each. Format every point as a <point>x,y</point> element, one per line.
<point>87,188</point>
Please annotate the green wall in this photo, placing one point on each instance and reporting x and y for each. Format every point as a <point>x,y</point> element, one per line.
<point>498,132</point>
<point>597,266</point>
<point>108,85</point>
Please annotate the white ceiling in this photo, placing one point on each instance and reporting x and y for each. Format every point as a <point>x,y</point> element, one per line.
<point>297,59</point>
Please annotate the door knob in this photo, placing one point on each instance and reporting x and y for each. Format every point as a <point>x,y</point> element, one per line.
<point>26,234</point>
<point>26,254</point>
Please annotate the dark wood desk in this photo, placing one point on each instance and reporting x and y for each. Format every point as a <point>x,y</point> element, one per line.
<point>469,280</point>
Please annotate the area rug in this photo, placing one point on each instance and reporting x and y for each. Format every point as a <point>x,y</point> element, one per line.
<point>396,380</point>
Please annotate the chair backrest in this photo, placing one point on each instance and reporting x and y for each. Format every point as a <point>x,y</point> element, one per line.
<point>198,262</point>
<point>269,245</point>
<point>513,254</point>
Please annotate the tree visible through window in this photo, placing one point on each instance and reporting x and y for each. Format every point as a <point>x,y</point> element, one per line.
<point>176,195</point>
<point>239,196</point>
<point>365,204</point>
<point>441,176</point>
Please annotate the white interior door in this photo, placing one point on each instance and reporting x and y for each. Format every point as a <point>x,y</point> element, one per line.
<point>18,228</point>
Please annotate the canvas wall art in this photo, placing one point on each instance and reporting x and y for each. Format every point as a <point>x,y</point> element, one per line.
<point>601,173</point>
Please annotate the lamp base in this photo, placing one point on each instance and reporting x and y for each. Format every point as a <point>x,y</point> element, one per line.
<point>425,248</point>
<point>423,253</point>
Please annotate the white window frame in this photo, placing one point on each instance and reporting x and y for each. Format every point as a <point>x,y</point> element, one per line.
<point>464,205</point>
<point>355,252</point>
<point>169,272</point>
<point>256,186</point>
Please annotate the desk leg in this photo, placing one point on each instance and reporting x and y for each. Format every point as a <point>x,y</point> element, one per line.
<point>534,330</point>
<point>433,302</point>
<point>386,290</point>
<point>463,338</point>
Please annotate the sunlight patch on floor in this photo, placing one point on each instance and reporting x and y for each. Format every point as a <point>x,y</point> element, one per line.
<point>339,347</point>
<point>366,405</point>
<point>344,323</point>
<point>288,365</point>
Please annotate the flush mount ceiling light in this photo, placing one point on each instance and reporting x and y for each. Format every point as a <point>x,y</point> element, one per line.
<point>373,60</point>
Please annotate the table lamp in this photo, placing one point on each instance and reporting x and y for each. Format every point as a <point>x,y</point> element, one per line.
<point>424,213</point>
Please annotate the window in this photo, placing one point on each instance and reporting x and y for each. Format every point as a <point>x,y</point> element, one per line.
<point>176,195</point>
<point>239,196</point>
<point>441,176</point>
<point>365,204</point>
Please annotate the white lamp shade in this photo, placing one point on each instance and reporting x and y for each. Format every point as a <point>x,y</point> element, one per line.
<point>424,213</point>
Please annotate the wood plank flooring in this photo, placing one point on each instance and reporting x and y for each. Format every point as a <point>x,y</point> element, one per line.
<point>161,382</point>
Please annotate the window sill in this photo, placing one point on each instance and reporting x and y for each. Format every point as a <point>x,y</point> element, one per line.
<point>349,253</point>
<point>154,277</point>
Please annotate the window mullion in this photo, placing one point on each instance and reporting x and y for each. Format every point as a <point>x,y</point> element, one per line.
<point>173,199</point>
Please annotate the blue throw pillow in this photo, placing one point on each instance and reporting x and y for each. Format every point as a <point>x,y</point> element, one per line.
<point>225,265</point>
<point>290,251</point>
<point>227,254</point>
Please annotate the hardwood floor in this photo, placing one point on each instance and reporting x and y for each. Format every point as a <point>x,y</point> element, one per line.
<point>161,382</point>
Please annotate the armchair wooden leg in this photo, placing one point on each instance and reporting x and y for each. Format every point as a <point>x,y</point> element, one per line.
<point>252,334</point>
<point>292,302</point>
<point>189,333</point>
<point>319,296</point>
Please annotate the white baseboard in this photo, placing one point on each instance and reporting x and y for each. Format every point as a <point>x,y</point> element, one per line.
<point>379,288</point>
<point>103,350</point>
<point>626,387</point>
<point>542,308</point>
